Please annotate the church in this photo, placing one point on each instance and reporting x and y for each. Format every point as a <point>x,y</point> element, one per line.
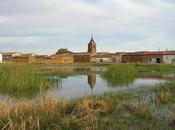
<point>93,56</point>
<point>86,56</point>
<point>90,56</point>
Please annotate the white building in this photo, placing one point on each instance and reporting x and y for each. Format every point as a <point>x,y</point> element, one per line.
<point>8,56</point>
<point>0,57</point>
<point>119,57</point>
<point>169,58</point>
<point>103,58</point>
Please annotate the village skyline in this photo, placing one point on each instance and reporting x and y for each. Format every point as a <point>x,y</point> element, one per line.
<point>85,50</point>
<point>91,55</point>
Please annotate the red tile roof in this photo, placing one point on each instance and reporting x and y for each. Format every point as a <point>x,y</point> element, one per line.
<point>152,53</point>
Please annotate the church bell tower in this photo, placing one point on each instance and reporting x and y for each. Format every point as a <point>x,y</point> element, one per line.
<point>92,46</point>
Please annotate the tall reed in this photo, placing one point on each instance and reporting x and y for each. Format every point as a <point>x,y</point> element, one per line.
<point>122,74</point>
<point>16,79</point>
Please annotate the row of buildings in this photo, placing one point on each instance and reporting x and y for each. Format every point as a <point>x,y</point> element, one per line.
<point>91,56</point>
<point>166,57</point>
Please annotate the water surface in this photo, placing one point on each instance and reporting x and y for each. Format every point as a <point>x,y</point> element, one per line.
<point>88,81</point>
<point>94,84</point>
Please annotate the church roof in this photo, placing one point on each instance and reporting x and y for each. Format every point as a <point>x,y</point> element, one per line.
<point>92,40</point>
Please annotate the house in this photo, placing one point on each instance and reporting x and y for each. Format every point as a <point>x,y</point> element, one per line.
<point>82,57</point>
<point>40,58</point>
<point>7,57</point>
<point>25,58</point>
<point>119,56</point>
<point>62,58</point>
<point>56,59</point>
<point>142,57</point>
<point>167,57</point>
<point>0,57</point>
<point>103,58</point>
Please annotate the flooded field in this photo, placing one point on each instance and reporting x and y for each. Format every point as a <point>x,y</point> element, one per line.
<point>93,84</point>
<point>78,82</point>
<point>87,97</point>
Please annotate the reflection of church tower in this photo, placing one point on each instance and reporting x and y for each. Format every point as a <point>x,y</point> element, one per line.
<point>92,46</point>
<point>92,80</point>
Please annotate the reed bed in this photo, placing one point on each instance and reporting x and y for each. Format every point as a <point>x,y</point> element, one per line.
<point>22,79</point>
<point>156,67</point>
<point>109,111</point>
<point>50,113</point>
<point>122,74</point>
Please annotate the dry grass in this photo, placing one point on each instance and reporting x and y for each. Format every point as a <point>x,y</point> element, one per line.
<point>163,97</point>
<point>39,114</point>
<point>110,111</point>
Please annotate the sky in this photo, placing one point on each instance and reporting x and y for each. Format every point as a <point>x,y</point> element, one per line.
<point>44,26</point>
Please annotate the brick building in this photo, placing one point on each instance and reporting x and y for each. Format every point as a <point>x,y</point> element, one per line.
<point>167,57</point>
<point>56,59</point>
<point>25,58</point>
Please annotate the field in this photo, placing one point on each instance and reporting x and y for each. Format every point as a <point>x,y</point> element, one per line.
<point>149,109</point>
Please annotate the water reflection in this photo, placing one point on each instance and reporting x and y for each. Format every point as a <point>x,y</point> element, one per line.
<point>92,80</point>
<point>88,81</point>
<point>93,84</point>
<point>77,86</point>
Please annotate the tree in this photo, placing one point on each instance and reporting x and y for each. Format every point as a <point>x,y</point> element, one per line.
<point>62,50</point>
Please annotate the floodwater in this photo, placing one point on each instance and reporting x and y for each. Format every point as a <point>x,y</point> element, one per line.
<point>94,84</point>
<point>90,82</point>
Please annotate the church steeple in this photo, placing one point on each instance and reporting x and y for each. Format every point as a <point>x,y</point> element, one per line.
<point>92,36</point>
<point>92,46</point>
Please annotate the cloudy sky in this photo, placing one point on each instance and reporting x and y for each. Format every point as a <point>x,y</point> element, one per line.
<point>43,26</point>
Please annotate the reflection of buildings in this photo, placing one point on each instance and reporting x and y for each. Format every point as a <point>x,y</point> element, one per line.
<point>92,80</point>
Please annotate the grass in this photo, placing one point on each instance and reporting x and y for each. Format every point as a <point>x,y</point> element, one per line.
<point>117,75</point>
<point>22,79</point>
<point>138,111</point>
<point>161,68</point>
<point>108,111</point>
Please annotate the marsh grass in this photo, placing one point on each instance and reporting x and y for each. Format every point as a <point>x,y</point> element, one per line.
<point>109,111</point>
<point>159,68</point>
<point>22,79</point>
<point>50,113</point>
<point>118,75</point>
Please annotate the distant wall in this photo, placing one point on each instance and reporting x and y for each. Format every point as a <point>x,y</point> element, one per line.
<point>105,60</point>
<point>142,58</point>
<point>58,59</point>
<point>81,58</point>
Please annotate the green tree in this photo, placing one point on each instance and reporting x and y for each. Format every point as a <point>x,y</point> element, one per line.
<point>62,50</point>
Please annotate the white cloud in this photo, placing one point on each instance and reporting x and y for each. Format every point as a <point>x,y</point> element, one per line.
<point>3,19</point>
<point>67,21</point>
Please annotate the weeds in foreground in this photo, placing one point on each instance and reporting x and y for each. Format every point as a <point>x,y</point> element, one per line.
<point>110,111</point>
<point>163,97</point>
<point>50,113</point>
